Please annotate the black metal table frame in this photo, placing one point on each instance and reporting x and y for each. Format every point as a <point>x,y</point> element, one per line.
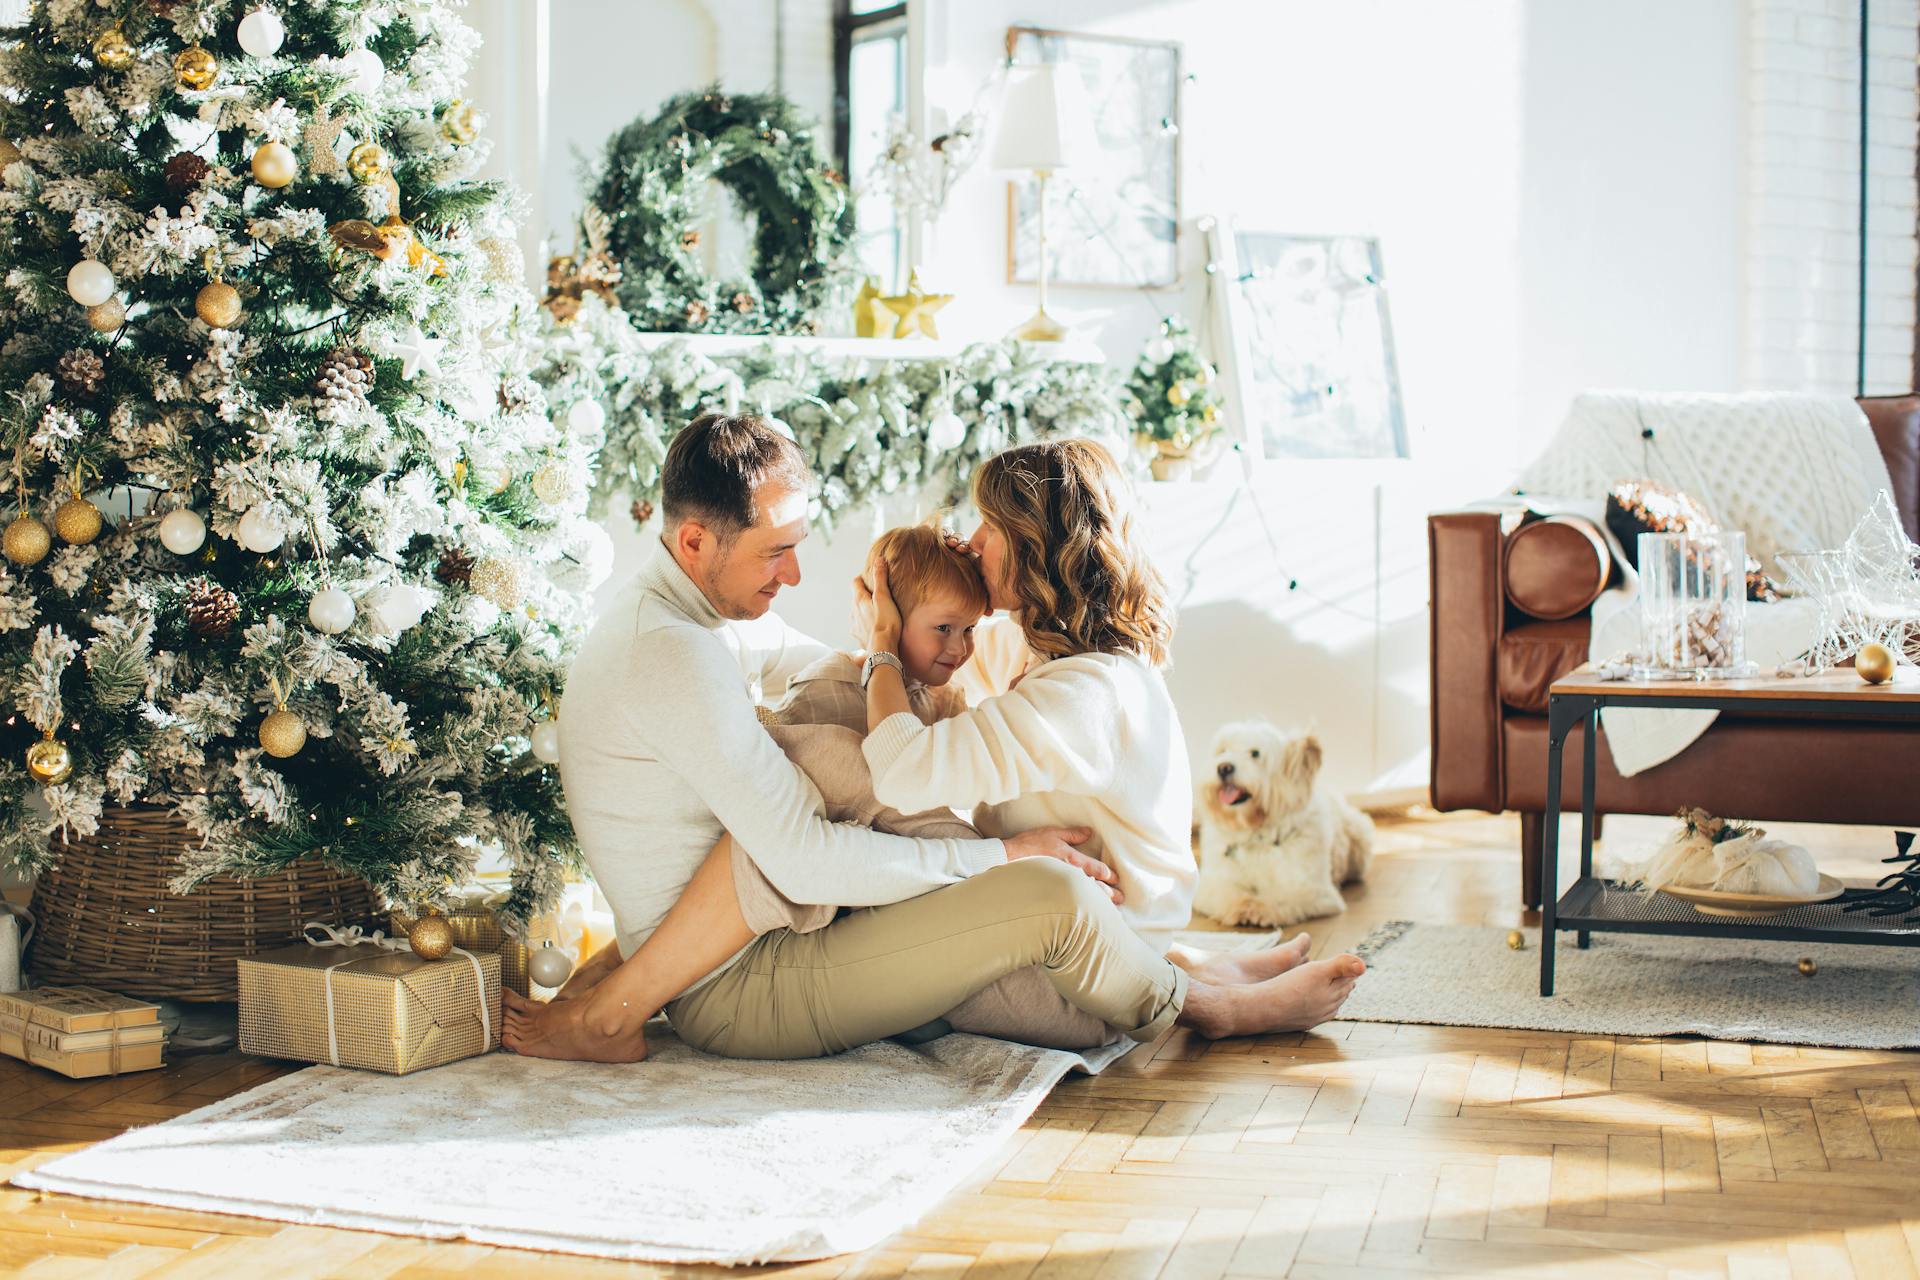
<point>1565,710</point>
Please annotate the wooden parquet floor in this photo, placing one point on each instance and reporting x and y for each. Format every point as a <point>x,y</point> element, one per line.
<point>1357,1150</point>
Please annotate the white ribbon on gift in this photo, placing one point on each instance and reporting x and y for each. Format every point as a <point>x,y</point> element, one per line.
<point>13,949</point>
<point>353,936</point>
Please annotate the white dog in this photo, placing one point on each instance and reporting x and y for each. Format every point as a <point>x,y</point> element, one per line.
<point>1275,847</point>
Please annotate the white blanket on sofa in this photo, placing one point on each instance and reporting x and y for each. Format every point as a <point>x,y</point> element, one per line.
<point>1795,472</point>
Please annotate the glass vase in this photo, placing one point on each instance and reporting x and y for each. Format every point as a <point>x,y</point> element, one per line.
<point>1693,605</point>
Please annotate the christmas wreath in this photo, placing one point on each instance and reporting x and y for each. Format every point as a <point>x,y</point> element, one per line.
<point>652,187</point>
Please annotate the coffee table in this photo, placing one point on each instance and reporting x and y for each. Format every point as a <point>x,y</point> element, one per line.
<point>1594,905</point>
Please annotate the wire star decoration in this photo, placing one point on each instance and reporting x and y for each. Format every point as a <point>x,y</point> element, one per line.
<point>1867,591</point>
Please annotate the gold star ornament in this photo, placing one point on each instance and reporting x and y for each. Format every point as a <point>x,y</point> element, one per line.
<point>915,309</point>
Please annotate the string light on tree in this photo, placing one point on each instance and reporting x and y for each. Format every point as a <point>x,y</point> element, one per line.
<point>261,33</point>
<point>183,531</point>
<point>90,283</point>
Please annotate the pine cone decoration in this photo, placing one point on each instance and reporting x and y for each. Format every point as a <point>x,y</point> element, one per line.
<point>81,371</point>
<point>346,376</point>
<point>456,566</point>
<point>186,171</point>
<point>642,511</point>
<point>211,609</point>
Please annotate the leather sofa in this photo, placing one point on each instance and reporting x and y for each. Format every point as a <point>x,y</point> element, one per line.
<point>1509,606</point>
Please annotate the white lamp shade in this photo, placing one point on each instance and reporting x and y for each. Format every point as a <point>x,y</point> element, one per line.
<point>1046,121</point>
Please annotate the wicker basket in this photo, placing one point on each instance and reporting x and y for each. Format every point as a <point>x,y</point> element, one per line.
<point>107,918</point>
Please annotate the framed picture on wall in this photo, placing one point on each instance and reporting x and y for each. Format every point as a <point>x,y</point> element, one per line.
<point>1308,356</point>
<point>1115,221</point>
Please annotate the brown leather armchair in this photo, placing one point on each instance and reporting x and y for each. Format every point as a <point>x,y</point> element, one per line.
<point>1493,659</point>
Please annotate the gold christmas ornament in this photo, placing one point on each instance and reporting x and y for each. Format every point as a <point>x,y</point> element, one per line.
<point>49,761</point>
<point>195,68</point>
<point>431,937</point>
<point>367,162</point>
<point>112,49</point>
<point>868,314</point>
<point>1177,394</point>
<point>915,309</point>
<point>460,122</point>
<point>26,541</point>
<point>77,521</point>
<point>218,304</point>
<point>1807,967</point>
<point>500,580</point>
<point>274,165</point>
<point>1516,940</point>
<point>8,153</point>
<point>108,316</point>
<point>283,733</point>
<point>506,262</point>
<point>321,135</point>
<point>1874,663</point>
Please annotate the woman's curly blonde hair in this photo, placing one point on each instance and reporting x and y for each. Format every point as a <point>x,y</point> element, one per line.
<point>1074,562</point>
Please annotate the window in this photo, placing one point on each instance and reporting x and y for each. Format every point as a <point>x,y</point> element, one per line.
<point>870,102</point>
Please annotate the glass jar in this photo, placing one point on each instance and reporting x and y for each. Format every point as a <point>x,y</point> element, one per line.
<point>1693,605</point>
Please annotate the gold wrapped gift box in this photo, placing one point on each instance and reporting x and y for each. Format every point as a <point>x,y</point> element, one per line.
<point>477,929</point>
<point>389,1010</point>
<point>81,1031</point>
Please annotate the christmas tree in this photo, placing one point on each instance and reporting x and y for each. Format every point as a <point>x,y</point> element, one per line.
<point>1175,400</point>
<point>300,544</point>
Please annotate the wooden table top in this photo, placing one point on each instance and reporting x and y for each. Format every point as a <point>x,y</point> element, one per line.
<point>1840,685</point>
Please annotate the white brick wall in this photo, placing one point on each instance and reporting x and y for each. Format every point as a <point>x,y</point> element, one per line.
<point>1802,247</point>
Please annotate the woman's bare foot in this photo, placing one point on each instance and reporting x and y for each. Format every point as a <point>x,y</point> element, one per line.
<point>573,1030</point>
<point>1237,968</point>
<point>588,975</point>
<point>1302,997</point>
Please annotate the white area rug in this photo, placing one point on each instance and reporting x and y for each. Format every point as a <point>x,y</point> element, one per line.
<point>1641,985</point>
<point>681,1158</point>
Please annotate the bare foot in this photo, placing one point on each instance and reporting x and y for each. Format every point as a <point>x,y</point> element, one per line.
<point>1302,997</point>
<point>1237,968</point>
<point>569,1030</point>
<point>588,975</point>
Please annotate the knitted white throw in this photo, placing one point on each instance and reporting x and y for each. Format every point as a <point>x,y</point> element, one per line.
<point>1795,472</point>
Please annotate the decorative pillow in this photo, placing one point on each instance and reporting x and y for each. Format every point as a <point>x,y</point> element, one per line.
<point>1556,567</point>
<point>1635,507</point>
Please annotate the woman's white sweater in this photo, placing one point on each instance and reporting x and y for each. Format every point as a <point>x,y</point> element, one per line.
<point>1090,740</point>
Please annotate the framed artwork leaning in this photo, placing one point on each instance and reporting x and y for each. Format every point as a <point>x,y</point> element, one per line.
<point>1114,221</point>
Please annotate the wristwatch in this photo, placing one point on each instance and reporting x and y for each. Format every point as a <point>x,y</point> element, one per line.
<point>879,658</point>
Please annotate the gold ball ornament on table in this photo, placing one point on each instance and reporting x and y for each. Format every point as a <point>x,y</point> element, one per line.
<point>77,521</point>
<point>1807,967</point>
<point>1874,663</point>
<point>1516,940</point>
<point>460,122</point>
<point>367,162</point>
<point>218,304</point>
<point>274,165</point>
<point>112,49</point>
<point>283,733</point>
<point>49,762</point>
<point>26,541</point>
<point>108,316</point>
<point>431,937</point>
<point>195,68</point>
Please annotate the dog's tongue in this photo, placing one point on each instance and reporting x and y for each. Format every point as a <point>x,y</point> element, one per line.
<point>1230,794</point>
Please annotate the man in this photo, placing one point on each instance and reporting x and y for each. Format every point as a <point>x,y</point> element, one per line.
<point>662,754</point>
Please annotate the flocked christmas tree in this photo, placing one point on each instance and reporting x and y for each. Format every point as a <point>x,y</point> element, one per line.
<point>301,547</point>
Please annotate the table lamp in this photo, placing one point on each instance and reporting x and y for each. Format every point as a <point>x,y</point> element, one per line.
<point>1045,124</point>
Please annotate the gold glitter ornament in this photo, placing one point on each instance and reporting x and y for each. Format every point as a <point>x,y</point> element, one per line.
<point>108,316</point>
<point>506,262</point>
<point>218,304</point>
<point>274,165</point>
<point>49,761</point>
<point>26,541</point>
<point>77,521</point>
<point>431,937</point>
<point>283,733</point>
<point>500,580</point>
<point>112,49</point>
<point>367,162</point>
<point>460,122</point>
<point>1807,967</point>
<point>195,68</point>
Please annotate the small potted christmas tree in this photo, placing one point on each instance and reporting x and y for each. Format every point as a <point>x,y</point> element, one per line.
<point>1175,401</point>
<point>293,568</point>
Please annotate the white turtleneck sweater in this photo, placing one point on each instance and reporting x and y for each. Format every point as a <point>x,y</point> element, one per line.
<point>661,751</point>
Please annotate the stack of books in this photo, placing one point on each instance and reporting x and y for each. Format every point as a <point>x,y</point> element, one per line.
<point>81,1031</point>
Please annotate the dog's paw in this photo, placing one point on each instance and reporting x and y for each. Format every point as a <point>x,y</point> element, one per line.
<point>1252,913</point>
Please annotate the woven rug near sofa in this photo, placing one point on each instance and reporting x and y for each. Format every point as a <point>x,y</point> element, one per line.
<point>681,1158</point>
<point>1641,985</point>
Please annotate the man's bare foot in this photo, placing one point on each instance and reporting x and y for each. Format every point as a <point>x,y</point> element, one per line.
<point>1237,968</point>
<point>1302,997</point>
<point>569,1030</point>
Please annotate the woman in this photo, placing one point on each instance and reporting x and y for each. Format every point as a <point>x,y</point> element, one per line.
<point>1086,738</point>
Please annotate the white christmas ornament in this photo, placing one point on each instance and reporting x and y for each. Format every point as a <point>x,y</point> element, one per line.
<point>1160,349</point>
<point>549,966</point>
<point>416,352</point>
<point>585,562</point>
<point>553,483</point>
<point>395,607</point>
<point>90,283</point>
<point>364,70</point>
<point>183,531</point>
<point>585,417</point>
<point>330,611</point>
<point>261,33</point>
<point>259,532</point>
<point>546,747</point>
<point>947,431</point>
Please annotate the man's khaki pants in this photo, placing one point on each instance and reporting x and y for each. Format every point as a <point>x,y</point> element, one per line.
<point>881,971</point>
